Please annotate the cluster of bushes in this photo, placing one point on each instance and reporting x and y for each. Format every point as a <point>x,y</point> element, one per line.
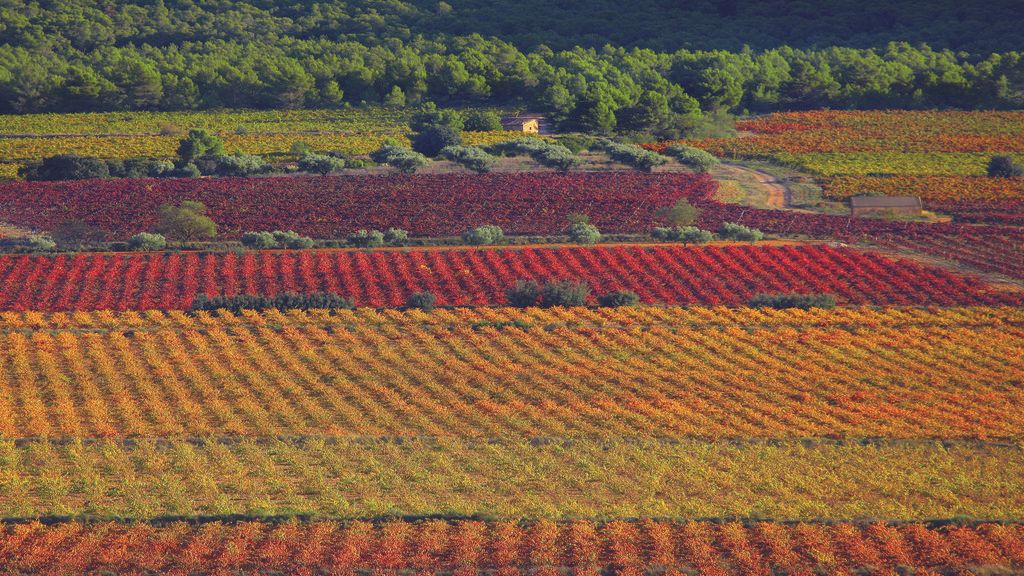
<point>321,163</point>
<point>471,157</point>
<point>526,293</point>
<point>581,231</point>
<point>376,238</point>
<point>732,231</point>
<point>283,301</point>
<point>544,153</point>
<point>74,167</point>
<point>634,156</point>
<point>1004,167</point>
<point>694,158</point>
<point>404,159</point>
<point>483,235</point>
<point>684,234</point>
<point>276,239</point>
<point>800,301</point>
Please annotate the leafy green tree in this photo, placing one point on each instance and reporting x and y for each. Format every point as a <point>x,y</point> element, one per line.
<point>186,222</point>
<point>1004,167</point>
<point>200,143</point>
<point>482,121</point>
<point>433,139</point>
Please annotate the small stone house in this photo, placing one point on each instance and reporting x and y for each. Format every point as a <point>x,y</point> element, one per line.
<point>885,205</point>
<point>525,123</point>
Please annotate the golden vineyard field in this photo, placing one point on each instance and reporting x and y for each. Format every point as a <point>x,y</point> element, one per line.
<point>363,478</point>
<point>505,372</point>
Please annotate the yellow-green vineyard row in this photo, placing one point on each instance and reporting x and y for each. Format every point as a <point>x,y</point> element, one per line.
<point>355,478</point>
<point>506,372</point>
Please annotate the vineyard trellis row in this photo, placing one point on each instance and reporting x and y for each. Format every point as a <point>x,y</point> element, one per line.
<point>543,547</point>
<point>669,274</point>
<point>508,372</point>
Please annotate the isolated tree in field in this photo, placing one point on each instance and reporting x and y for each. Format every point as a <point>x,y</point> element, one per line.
<point>76,233</point>
<point>433,139</point>
<point>1004,167</point>
<point>682,213</point>
<point>185,222</point>
<point>200,143</point>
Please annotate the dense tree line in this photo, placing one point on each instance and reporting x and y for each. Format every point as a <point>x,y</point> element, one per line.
<point>663,25</point>
<point>146,59</point>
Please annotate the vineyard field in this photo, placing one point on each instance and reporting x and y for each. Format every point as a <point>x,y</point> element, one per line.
<point>331,206</point>
<point>544,547</point>
<point>457,277</point>
<point>338,478</point>
<point>652,372</point>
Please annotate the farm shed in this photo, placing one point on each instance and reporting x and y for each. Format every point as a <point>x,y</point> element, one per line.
<point>873,205</point>
<point>526,123</point>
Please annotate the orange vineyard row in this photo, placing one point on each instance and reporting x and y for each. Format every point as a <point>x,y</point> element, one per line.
<point>572,372</point>
<point>541,548</point>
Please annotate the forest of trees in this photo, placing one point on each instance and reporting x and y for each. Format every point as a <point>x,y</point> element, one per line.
<point>85,55</point>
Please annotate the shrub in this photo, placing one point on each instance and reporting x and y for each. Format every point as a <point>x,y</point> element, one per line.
<point>694,158</point>
<point>186,170</point>
<point>147,241</point>
<point>396,237</point>
<point>76,233</point>
<point>542,152</point>
<point>731,231</point>
<point>684,234</point>
<point>200,143</point>
<point>40,243</point>
<point>67,167</point>
<point>523,293</point>
<point>483,235</point>
<point>617,299</point>
<point>423,300</point>
<point>404,159</point>
<point>292,240</point>
<point>482,121</point>
<point>366,239</point>
<point>433,139</point>
<point>581,231</point>
<point>564,293</point>
<point>476,159</point>
<point>634,156</point>
<point>186,222</point>
<point>283,301</point>
<point>259,240</point>
<point>576,143</point>
<point>321,164</point>
<point>1004,167</point>
<point>144,168</point>
<point>682,213</point>
<point>300,149</point>
<point>556,157</point>
<point>801,301</point>
<point>240,164</point>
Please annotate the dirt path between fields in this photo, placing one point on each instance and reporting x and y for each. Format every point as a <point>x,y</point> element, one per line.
<point>776,195</point>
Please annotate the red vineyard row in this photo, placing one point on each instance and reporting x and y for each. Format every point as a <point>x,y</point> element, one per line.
<point>728,275</point>
<point>332,206</point>
<point>541,548</point>
<point>448,204</point>
<point>1002,212</point>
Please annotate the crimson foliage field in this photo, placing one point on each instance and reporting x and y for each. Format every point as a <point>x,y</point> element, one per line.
<point>331,206</point>
<point>669,274</point>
